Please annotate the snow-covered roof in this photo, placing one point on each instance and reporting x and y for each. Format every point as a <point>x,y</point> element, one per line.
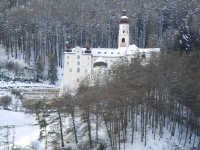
<point>107,52</point>
<point>119,52</point>
<point>149,50</point>
<point>132,47</point>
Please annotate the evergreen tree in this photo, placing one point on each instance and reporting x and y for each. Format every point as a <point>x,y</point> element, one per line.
<point>187,40</point>
<point>39,69</point>
<point>52,71</point>
<point>195,40</point>
<point>184,39</point>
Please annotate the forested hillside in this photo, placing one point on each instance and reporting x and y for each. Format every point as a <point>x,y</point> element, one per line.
<point>36,29</point>
<point>143,107</point>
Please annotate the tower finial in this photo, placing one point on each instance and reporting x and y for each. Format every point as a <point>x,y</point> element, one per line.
<point>124,12</point>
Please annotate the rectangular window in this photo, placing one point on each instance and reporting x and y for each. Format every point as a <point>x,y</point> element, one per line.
<point>78,57</point>
<point>78,63</point>
<point>78,70</point>
<point>70,70</point>
<point>132,60</point>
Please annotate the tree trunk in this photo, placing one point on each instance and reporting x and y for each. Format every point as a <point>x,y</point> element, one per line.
<point>89,130</point>
<point>61,130</point>
<point>74,127</point>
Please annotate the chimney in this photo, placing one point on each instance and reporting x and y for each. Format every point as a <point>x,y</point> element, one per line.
<point>68,48</point>
<point>88,49</point>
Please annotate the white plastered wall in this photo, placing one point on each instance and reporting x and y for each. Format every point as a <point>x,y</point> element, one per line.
<point>123,33</point>
<point>77,66</point>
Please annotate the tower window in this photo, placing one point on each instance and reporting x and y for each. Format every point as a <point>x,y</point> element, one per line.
<point>78,70</point>
<point>123,31</point>
<point>123,40</point>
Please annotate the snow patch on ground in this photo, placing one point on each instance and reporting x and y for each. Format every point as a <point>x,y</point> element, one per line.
<point>159,143</point>
<point>16,84</point>
<point>153,142</point>
<point>165,141</point>
<point>25,128</point>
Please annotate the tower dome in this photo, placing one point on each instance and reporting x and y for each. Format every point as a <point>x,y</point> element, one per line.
<point>124,18</point>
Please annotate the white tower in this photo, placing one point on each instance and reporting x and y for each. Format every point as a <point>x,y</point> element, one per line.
<point>123,39</point>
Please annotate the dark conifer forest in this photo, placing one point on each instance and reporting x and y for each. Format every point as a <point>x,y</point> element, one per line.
<point>33,29</point>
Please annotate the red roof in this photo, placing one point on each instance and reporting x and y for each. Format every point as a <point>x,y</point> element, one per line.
<point>68,46</point>
<point>87,47</point>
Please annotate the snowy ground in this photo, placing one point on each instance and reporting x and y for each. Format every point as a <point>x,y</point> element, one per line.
<point>166,142</point>
<point>20,85</point>
<point>23,127</point>
<point>25,131</point>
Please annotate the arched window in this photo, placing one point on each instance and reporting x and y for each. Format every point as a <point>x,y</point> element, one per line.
<point>123,40</point>
<point>100,64</point>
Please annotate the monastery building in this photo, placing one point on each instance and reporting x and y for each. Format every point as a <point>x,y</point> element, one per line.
<point>91,63</point>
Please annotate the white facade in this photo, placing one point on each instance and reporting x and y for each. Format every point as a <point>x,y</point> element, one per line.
<point>89,63</point>
<point>77,65</point>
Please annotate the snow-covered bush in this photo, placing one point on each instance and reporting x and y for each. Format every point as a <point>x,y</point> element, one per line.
<point>13,66</point>
<point>10,66</point>
<point>16,92</point>
<point>5,101</point>
<point>102,147</point>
